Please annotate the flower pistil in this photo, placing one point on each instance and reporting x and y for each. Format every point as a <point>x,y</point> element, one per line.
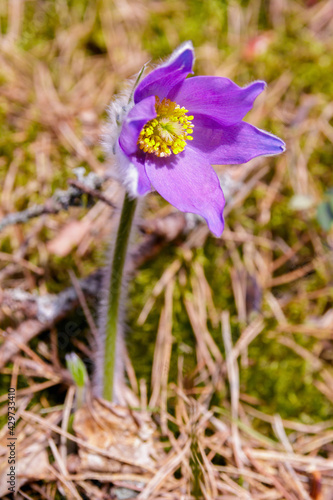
<point>168,132</point>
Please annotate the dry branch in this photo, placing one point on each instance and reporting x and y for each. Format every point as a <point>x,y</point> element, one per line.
<point>42,312</point>
<point>61,200</point>
<point>49,309</point>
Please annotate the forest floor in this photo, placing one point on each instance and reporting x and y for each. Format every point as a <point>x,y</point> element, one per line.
<point>229,340</point>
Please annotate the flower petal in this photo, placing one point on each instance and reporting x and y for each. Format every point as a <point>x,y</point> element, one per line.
<point>217,97</point>
<point>132,173</point>
<point>233,144</point>
<point>188,182</point>
<point>162,79</point>
<point>135,120</point>
<point>144,184</point>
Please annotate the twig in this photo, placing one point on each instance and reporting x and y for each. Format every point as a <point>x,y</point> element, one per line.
<point>42,312</point>
<point>81,186</point>
<point>84,305</point>
<point>49,310</point>
<point>64,425</point>
<point>51,206</point>
<point>233,376</point>
<point>88,184</point>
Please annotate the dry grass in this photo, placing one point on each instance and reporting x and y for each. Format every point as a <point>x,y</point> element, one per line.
<point>186,434</point>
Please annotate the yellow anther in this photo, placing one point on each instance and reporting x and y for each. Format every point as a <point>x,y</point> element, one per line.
<point>168,132</point>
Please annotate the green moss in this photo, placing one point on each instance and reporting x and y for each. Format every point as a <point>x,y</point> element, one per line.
<point>279,378</point>
<point>284,382</point>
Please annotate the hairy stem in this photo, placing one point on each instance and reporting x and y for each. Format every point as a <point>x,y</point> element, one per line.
<point>118,262</point>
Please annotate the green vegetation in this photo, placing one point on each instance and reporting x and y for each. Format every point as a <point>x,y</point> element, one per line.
<point>61,62</point>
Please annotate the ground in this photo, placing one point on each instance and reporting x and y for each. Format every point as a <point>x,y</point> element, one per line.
<point>229,340</point>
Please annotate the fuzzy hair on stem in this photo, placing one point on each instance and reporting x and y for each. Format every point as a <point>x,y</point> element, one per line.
<point>110,349</point>
<point>110,352</point>
<point>123,171</point>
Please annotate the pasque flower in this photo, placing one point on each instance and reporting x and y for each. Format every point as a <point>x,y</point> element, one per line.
<point>174,128</point>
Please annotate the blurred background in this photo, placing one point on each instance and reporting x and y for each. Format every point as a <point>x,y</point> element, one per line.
<point>270,275</point>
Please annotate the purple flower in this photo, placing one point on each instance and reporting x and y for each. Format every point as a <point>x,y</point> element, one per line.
<point>177,127</point>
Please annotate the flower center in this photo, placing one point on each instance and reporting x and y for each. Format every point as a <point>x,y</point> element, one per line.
<point>168,132</point>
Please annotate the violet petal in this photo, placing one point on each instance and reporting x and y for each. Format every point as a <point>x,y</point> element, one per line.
<point>188,182</point>
<point>135,120</point>
<point>144,184</point>
<point>132,172</point>
<point>232,144</point>
<point>162,79</point>
<point>217,97</point>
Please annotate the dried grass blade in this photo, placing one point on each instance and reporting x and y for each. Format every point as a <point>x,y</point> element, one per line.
<point>233,376</point>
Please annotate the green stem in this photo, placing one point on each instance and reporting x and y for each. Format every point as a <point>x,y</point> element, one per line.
<point>118,262</point>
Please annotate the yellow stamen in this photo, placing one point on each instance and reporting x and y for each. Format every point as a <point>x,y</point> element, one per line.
<point>168,132</point>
